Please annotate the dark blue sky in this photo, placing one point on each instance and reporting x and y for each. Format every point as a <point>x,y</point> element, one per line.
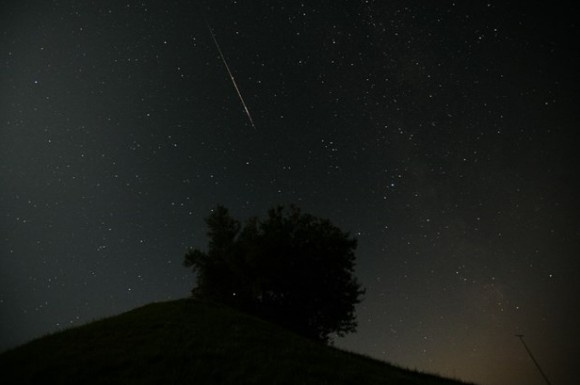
<point>443,135</point>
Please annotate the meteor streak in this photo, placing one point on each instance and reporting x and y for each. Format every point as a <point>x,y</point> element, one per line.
<point>217,45</point>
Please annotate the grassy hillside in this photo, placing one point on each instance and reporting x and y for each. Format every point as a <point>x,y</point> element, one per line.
<point>189,342</point>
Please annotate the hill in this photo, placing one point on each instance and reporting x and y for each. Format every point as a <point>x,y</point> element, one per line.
<point>191,342</point>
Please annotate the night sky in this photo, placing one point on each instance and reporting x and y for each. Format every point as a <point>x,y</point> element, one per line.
<point>443,135</point>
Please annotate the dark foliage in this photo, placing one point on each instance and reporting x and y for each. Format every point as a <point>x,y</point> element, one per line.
<point>291,268</point>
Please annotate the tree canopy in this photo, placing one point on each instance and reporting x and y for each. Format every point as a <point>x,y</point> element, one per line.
<point>291,268</point>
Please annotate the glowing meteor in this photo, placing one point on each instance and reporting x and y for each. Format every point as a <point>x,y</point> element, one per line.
<point>231,76</point>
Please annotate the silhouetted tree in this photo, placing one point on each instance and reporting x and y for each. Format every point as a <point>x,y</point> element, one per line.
<point>292,268</point>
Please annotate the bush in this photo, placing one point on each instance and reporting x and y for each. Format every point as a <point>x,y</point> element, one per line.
<point>292,268</point>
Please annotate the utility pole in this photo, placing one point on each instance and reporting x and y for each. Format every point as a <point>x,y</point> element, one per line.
<point>521,337</point>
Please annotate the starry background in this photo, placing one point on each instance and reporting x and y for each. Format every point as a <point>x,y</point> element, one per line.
<point>441,134</point>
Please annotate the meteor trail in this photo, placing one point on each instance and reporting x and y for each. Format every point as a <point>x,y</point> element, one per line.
<point>231,76</point>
